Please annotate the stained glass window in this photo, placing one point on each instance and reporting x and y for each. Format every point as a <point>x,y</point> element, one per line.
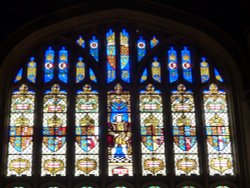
<point>144,75</point>
<point>49,65</point>
<point>81,41</point>
<point>156,70</point>
<point>87,132</point>
<point>31,70</point>
<point>172,65</point>
<point>217,75</point>
<point>20,144</point>
<point>141,48</point>
<point>184,132</point>
<point>149,128</point>
<point>80,70</point>
<point>63,65</point>
<point>119,133</point>
<point>94,48</point>
<point>217,130</point>
<point>19,75</point>
<point>204,68</point>
<point>186,65</point>
<point>54,132</point>
<point>124,56</point>
<point>111,56</point>
<point>152,134</point>
<point>153,42</point>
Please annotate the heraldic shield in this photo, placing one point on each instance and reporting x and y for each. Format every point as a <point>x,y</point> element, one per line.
<point>86,143</point>
<point>20,143</point>
<point>185,143</point>
<point>152,143</point>
<point>219,143</point>
<point>54,143</point>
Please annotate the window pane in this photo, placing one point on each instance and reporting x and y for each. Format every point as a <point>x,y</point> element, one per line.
<point>21,125</point>
<point>87,132</point>
<point>152,135</point>
<point>184,132</point>
<point>217,131</point>
<point>111,56</point>
<point>119,133</point>
<point>54,132</point>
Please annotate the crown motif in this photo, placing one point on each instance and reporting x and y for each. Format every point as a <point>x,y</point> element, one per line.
<point>118,88</point>
<point>55,89</point>
<point>186,57</point>
<point>111,38</point>
<point>23,89</point>
<point>86,89</point>
<point>183,121</point>
<point>22,121</point>
<point>49,57</point>
<point>124,39</point>
<point>63,57</point>
<point>87,120</point>
<point>216,121</point>
<point>172,57</point>
<point>213,88</point>
<point>54,121</point>
<point>150,89</point>
<point>80,41</point>
<point>151,120</point>
<point>181,88</point>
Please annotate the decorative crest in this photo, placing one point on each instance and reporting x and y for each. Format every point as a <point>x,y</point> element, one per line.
<point>150,89</point>
<point>22,121</point>
<point>23,89</point>
<point>213,89</point>
<point>87,120</point>
<point>118,88</point>
<point>181,88</point>
<point>86,89</point>
<point>54,121</point>
<point>55,89</point>
<point>151,120</point>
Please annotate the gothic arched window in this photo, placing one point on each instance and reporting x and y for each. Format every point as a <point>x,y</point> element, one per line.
<point>120,101</point>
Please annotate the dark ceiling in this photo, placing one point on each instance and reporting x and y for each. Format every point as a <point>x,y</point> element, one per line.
<point>232,16</point>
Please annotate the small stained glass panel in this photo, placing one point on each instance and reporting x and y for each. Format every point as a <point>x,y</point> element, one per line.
<point>141,48</point>
<point>144,75</point>
<point>63,65</point>
<point>111,56</point>
<point>94,48</point>
<point>186,64</point>
<point>124,56</point>
<point>49,65</point>
<point>204,68</point>
<point>153,42</point>
<point>217,75</point>
<point>31,70</point>
<point>19,75</point>
<point>80,70</point>
<point>156,70</point>
<point>172,65</point>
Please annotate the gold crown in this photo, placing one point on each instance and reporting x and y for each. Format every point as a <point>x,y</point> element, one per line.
<point>49,57</point>
<point>54,121</point>
<point>172,57</point>
<point>23,89</point>
<point>181,88</point>
<point>124,39</point>
<point>186,57</point>
<point>22,121</point>
<point>151,120</point>
<point>213,88</point>
<point>55,89</point>
<point>183,120</point>
<point>87,120</point>
<point>111,39</point>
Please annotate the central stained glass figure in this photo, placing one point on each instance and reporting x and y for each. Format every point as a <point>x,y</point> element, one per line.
<point>119,132</point>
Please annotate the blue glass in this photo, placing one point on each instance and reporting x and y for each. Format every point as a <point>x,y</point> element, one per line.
<point>153,42</point>
<point>156,70</point>
<point>144,75</point>
<point>217,75</point>
<point>81,41</point>
<point>124,56</point>
<point>141,48</point>
<point>94,48</point>
<point>111,56</point>
<point>49,65</point>
<point>19,75</point>
<point>172,65</point>
<point>63,65</point>
<point>92,75</point>
<point>80,70</point>
<point>186,65</point>
<point>204,68</point>
<point>31,70</point>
